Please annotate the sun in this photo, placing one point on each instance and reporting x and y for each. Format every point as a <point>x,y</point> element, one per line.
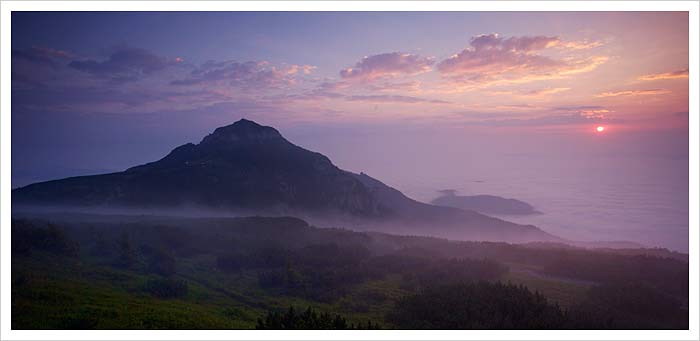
<point>600,129</point>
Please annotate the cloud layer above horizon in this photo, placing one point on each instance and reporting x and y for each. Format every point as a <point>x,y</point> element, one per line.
<point>468,78</point>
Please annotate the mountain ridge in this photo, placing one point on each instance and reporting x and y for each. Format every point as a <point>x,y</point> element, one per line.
<point>254,169</point>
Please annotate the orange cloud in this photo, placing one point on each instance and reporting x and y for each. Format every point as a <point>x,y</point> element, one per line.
<point>634,93</point>
<point>531,93</point>
<point>545,92</point>
<point>680,74</point>
<point>596,113</point>
<point>579,45</point>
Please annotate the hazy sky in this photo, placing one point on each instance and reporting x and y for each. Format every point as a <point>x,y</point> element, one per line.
<point>94,92</point>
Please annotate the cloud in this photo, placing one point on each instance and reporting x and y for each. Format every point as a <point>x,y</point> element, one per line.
<point>250,74</point>
<point>125,64</point>
<point>586,111</point>
<point>41,55</point>
<point>517,106</point>
<point>577,107</point>
<point>491,60</point>
<point>680,74</point>
<point>135,80</point>
<point>109,99</point>
<point>314,95</point>
<point>579,45</point>
<point>524,43</point>
<point>318,94</point>
<point>304,69</point>
<point>547,120</point>
<point>596,113</point>
<point>40,67</point>
<point>545,92</point>
<point>387,65</point>
<point>392,99</point>
<point>634,93</point>
<point>410,86</point>
<point>530,93</point>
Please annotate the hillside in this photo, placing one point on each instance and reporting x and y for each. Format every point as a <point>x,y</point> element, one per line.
<point>246,168</point>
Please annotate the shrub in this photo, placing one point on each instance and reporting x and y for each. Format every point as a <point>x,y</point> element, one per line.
<point>27,237</point>
<point>308,319</point>
<point>480,305</point>
<point>166,287</point>
<point>162,262</point>
<point>229,262</point>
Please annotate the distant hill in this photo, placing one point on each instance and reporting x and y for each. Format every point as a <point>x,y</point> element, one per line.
<point>488,204</point>
<point>247,168</point>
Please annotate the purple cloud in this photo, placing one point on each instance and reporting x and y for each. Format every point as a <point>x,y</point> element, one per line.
<point>393,99</point>
<point>125,64</point>
<point>38,67</point>
<point>251,74</point>
<point>387,65</point>
<point>135,80</point>
<point>41,55</point>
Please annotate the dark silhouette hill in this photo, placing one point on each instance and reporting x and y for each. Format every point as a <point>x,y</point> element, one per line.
<point>251,169</point>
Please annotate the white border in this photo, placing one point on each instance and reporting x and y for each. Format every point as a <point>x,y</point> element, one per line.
<point>5,186</point>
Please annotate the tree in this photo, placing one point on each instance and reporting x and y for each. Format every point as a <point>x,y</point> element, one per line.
<point>308,319</point>
<point>126,254</point>
<point>162,262</point>
<point>480,305</point>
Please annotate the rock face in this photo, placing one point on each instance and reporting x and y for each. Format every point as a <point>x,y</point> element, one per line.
<point>252,168</point>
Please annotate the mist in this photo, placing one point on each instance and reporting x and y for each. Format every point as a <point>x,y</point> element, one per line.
<point>627,185</point>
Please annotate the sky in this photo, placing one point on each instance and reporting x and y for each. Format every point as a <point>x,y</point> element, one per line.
<point>101,91</point>
<point>421,100</point>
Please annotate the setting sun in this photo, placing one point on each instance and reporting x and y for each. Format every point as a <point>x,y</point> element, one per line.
<point>241,168</point>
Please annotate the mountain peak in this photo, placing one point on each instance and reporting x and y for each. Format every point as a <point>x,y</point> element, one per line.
<point>243,131</point>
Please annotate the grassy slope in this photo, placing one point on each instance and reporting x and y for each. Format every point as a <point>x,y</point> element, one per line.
<point>50,292</point>
<point>565,293</point>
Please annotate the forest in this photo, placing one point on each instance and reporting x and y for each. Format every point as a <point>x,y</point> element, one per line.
<point>148,272</point>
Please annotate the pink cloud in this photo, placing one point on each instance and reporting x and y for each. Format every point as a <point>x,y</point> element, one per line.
<point>531,93</point>
<point>579,45</point>
<point>680,74</point>
<point>410,86</point>
<point>634,93</point>
<point>525,43</point>
<point>387,65</point>
<point>491,60</point>
<point>393,99</point>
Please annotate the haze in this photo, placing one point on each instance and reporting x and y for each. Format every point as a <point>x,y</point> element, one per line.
<point>485,103</point>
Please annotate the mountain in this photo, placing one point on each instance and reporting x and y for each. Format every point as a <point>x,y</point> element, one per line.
<point>243,166</point>
<point>487,204</point>
<point>248,168</point>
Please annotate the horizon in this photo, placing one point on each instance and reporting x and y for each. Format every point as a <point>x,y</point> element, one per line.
<point>498,105</point>
<point>424,173</point>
